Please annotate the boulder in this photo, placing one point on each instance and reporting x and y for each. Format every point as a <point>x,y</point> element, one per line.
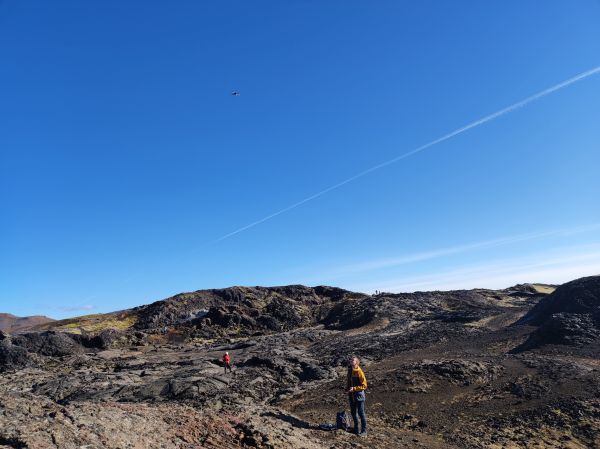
<point>48,343</point>
<point>13,357</point>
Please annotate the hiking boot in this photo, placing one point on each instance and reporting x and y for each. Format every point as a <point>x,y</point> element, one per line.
<point>363,433</point>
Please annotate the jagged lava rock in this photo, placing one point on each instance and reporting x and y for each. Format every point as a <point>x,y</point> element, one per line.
<point>569,316</point>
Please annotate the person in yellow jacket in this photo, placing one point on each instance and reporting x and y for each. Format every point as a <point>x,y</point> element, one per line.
<point>357,384</point>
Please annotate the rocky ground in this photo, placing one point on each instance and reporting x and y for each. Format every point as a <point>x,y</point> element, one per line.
<point>515,368</point>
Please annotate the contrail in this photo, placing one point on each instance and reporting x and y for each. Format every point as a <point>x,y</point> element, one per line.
<point>445,137</point>
<point>468,247</point>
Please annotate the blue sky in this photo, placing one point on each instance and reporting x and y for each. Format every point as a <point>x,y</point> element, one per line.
<point>124,159</point>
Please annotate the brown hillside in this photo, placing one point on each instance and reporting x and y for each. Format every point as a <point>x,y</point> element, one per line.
<point>11,323</point>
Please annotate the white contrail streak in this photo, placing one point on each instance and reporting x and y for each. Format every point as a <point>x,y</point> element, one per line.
<point>443,252</point>
<point>445,137</point>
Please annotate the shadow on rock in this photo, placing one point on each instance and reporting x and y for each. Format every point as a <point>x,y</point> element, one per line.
<point>295,422</point>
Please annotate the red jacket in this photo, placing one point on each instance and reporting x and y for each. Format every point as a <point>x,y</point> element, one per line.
<point>226,359</point>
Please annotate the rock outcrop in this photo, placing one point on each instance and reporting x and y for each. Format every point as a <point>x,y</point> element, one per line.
<point>569,316</point>
<point>243,311</point>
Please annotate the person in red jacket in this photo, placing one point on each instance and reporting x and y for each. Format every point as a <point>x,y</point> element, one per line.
<point>227,362</point>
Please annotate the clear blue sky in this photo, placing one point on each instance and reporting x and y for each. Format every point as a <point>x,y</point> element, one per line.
<point>123,154</point>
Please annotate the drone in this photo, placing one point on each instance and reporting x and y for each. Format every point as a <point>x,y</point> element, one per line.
<point>235,93</point>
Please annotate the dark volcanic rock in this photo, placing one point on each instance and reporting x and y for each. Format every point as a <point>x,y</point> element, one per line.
<point>570,328</point>
<point>465,372</point>
<point>352,314</point>
<point>48,343</point>
<point>103,340</point>
<point>13,357</point>
<point>284,310</point>
<point>581,296</point>
<point>240,311</point>
<point>527,387</point>
<point>569,316</point>
<point>459,372</point>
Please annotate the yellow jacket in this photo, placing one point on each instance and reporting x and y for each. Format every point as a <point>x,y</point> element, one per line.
<point>357,379</point>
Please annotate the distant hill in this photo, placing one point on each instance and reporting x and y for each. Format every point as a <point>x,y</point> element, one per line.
<point>95,323</point>
<point>11,323</point>
<point>256,310</point>
<point>251,311</point>
<point>244,310</point>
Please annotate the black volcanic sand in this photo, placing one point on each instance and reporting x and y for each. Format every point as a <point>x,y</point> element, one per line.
<point>462,369</point>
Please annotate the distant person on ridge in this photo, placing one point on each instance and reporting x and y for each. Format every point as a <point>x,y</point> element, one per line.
<point>357,384</point>
<point>227,362</point>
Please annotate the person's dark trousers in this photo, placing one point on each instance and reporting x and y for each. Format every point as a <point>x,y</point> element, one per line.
<point>227,367</point>
<point>357,409</point>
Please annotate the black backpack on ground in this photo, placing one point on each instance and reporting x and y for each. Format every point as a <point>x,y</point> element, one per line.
<point>342,421</point>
